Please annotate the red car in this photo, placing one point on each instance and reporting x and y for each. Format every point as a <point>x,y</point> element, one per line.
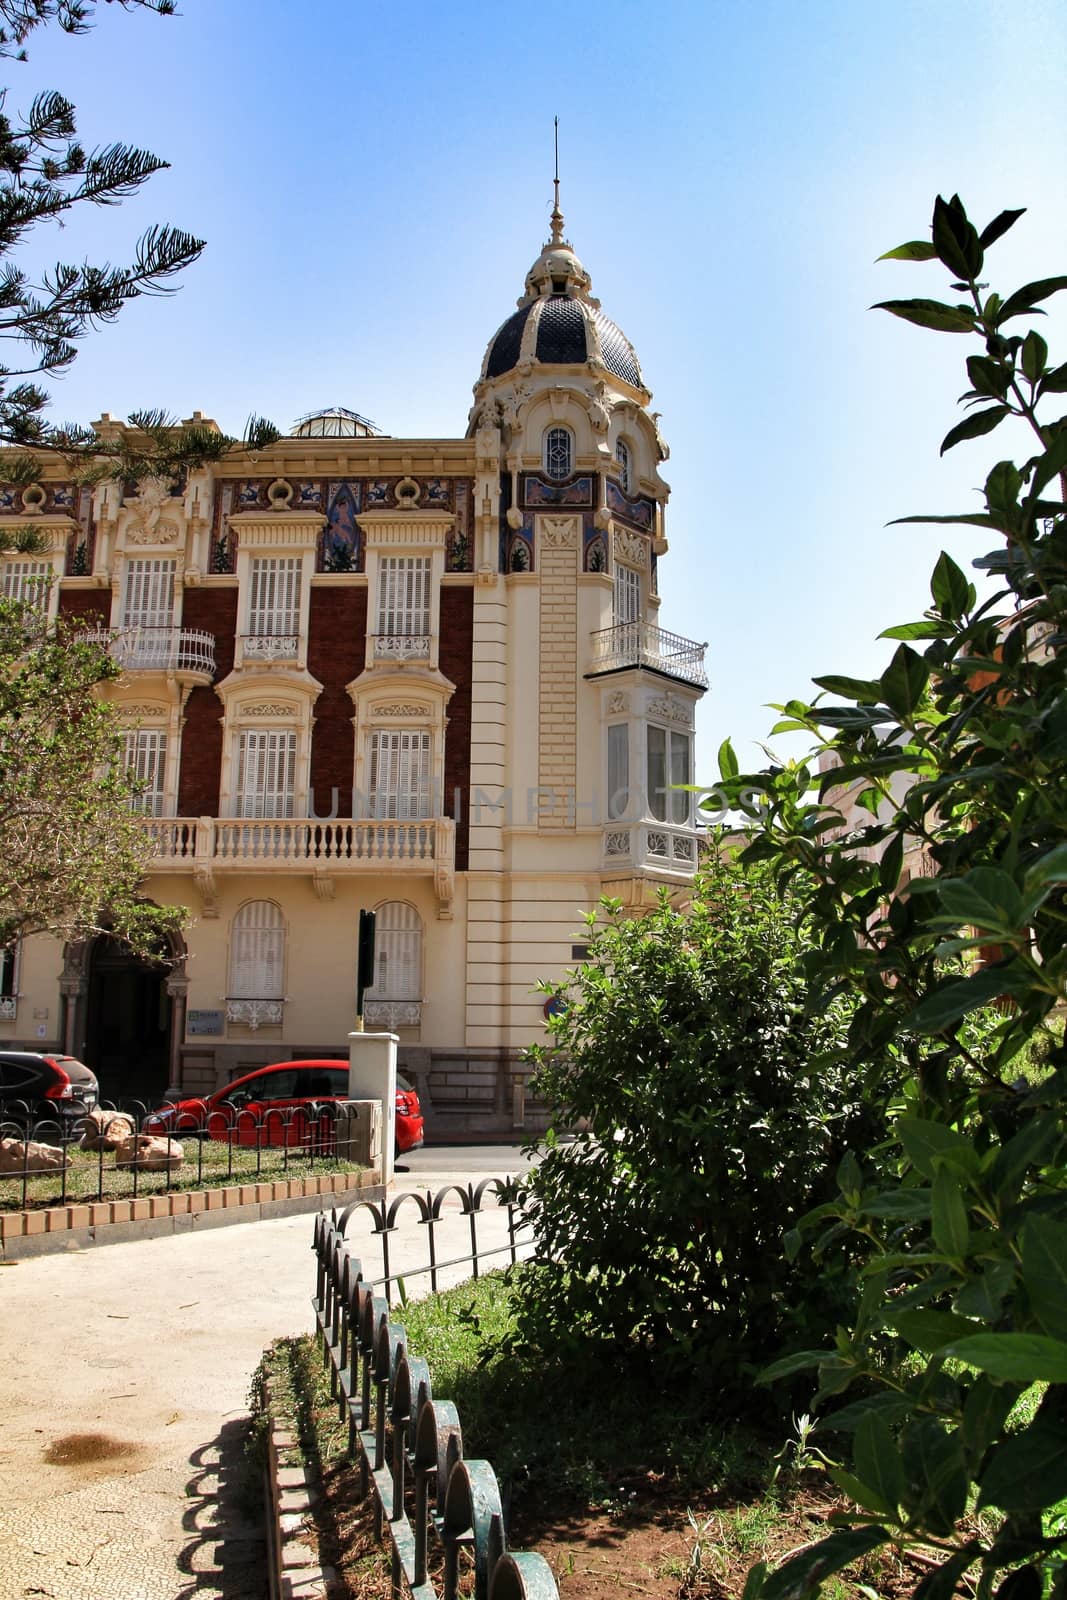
<point>283,1104</point>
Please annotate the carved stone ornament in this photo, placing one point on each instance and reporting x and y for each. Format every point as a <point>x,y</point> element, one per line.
<point>280,494</point>
<point>631,548</point>
<point>560,533</point>
<point>33,499</point>
<point>599,417</point>
<point>147,524</point>
<point>142,710</point>
<point>402,708</point>
<point>407,492</point>
<point>160,533</point>
<point>670,710</point>
<point>268,708</point>
<point>618,703</point>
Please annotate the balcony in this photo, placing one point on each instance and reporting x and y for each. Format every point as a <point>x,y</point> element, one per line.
<point>401,647</point>
<point>206,846</point>
<point>640,644</point>
<point>651,845</point>
<point>188,650</point>
<point>269,646</point>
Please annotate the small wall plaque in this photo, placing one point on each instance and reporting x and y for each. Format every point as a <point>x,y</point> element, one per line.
<point>200,1022</point>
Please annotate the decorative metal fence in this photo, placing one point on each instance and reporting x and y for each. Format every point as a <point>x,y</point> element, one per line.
<point>407,1443</point>
<point>218,1149</point>
<point>432,1216</point>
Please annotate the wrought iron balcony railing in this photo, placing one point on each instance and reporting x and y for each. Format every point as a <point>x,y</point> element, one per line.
<point>159,649</point>
<point>270,646</point>
<point>401,647</point>
<point>640,644</point>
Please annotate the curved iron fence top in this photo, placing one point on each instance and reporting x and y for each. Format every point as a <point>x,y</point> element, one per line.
<point>422,1204</point>
<point>466,1195</point>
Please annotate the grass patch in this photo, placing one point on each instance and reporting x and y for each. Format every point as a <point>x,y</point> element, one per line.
<point>209,1164</point>
<point>595,1439</point>
<point>617,1482</point>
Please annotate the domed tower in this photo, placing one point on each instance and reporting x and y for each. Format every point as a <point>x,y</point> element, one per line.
<point>583,706</point>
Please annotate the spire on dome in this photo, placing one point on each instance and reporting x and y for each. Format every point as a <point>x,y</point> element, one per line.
<point>557,214</point>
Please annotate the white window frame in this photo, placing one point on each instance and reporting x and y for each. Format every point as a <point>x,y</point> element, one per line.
<point>665,802</point>
<point>618,768</point>
<point>148,592</point>
<point>145,760</point>
<point>257,952</point>
<point>624,457</point>
<point>399,768</point>
<point>557,451</point>
<point>627,597</point>
<point>405,587</point>
<point>274,592</point>
<point>26,580</point>
<point>397,953</point>
<point>265,772</point>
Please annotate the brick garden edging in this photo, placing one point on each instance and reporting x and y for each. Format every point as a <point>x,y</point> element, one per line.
<point>82,1225</point>
<point>293,1568</point>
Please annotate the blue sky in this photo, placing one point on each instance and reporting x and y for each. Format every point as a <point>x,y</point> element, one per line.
<point>373,183</point>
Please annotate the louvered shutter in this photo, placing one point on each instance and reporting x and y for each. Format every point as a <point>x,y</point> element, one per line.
<point>404,596</point>
<point>627,595</point>
<point>25,581</point>
<point>145,759</point>
<point>148,593</point>
<point>257,952</point>
<point>397,953</point>
<point>400,775</point>
<point>274,606</point>
<point>266,773</point>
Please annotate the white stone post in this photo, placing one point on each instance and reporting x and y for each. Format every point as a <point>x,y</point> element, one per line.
<point>372,1076</point>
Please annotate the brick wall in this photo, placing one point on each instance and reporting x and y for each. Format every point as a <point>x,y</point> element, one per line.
<point>456,656</point>
<point>336,652</point>
<point>214,610</point>
<point>86,603</point>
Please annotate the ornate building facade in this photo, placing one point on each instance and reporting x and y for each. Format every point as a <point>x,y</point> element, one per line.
<point>425,677</point>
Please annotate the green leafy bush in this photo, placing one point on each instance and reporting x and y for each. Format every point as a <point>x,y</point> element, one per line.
<point>710,1120</point>
<point>958,755</point>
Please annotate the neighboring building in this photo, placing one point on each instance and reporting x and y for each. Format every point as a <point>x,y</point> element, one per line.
<point>420,676</point>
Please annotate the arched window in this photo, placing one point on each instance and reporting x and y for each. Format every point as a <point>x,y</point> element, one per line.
<point>622,456</point>
<point>257,955</point>
<point>397,953</point>
<point>558,453</point>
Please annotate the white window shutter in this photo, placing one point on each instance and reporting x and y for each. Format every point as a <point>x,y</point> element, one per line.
<point>397,953</point>
<point>148,593</point>
<point>145,759</point>
<point>404,596</point>
<point>257,952</point>
<point>627,595</point>
<point>266,773</point>
<point>24,581</point>
<point>274,602</point>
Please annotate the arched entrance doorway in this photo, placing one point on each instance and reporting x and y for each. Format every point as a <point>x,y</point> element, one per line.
<point>128,1019</point>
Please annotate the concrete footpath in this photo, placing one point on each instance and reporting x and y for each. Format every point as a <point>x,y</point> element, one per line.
<point>123,1404</point>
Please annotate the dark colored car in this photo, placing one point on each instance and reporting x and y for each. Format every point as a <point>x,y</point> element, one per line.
<point>35,1087</point>
<point>282,1104</point>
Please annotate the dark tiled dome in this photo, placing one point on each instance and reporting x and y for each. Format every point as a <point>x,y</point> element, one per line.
<point>561,331</point>
<point>616,351</point>
<point>558,323</point>
<point>504,347</point>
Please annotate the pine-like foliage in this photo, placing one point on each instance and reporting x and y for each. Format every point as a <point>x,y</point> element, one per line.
<point>45,172</point>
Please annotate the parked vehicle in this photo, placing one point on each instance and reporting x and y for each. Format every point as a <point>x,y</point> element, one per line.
<point>35,1087</point>
<point>287,1103</point>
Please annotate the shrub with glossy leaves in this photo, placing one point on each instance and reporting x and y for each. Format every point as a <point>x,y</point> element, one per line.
<point>687,1056</point>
